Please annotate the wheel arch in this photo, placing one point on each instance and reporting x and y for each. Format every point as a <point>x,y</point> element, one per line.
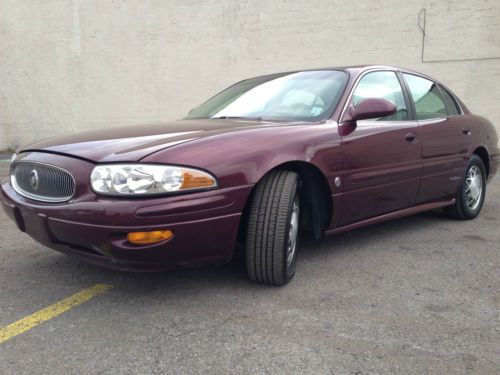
<point>315,190</point>
<point>485,157</point>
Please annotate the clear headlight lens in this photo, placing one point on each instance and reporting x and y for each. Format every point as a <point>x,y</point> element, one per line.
<point>148,179</point>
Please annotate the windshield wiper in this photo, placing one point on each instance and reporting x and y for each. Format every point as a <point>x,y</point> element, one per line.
<point>236,118</point>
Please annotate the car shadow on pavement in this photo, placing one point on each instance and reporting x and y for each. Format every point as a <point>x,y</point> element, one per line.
<point>383,232</point>
<point>64,269</point>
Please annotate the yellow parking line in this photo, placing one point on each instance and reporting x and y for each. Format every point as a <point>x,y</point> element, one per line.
<point>31,321</point>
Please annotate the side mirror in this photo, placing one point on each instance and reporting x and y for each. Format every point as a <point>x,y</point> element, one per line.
<point>369,108</point>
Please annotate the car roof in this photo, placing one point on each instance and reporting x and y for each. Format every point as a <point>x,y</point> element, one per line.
<point>362,68</point>
<point>353,69</point>
<point>356,70</point>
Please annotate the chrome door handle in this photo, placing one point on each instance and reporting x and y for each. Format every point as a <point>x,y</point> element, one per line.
<point>411,137</point>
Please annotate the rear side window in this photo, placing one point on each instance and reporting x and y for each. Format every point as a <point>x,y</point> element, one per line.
<point>451,104</point>
<point>429,104</point>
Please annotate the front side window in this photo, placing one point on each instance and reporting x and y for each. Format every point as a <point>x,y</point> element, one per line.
<point>302,96</point>
<point>429,103</point>
<point>382,85</point>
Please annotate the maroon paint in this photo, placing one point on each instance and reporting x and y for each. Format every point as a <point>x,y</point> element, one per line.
<point>381,169</point>
<point>388,169</point>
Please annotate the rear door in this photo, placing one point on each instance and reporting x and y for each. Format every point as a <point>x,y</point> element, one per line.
<point>445,138</point>
<point>381,155</point>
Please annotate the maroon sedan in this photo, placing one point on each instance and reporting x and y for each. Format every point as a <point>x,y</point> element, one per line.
<point>319,150</point>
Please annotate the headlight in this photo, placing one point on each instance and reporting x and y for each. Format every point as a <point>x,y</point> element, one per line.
<point>13,158</point>
<point>148,179</point>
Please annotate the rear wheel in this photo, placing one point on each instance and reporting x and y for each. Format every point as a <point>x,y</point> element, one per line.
<point>470,196</point>
<point>273,228</point>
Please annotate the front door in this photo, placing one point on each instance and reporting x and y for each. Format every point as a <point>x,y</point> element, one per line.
<point>382,160</point>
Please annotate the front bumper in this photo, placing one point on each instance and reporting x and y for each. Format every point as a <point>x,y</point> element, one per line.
<point>92,228</point>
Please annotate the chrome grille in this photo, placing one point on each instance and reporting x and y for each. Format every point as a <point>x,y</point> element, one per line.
<point>42,182</point>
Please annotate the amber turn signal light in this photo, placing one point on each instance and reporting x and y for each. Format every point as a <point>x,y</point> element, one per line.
<point>147,238</point>
<point>196,180</point>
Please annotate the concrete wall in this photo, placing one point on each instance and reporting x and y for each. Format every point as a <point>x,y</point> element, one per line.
<point>73,65</point>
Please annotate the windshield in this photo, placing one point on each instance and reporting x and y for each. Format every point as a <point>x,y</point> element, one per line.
<point>302,96</point>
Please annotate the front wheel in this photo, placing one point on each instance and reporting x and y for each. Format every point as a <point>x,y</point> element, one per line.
<point>470,196</point>
<point>273,228</point>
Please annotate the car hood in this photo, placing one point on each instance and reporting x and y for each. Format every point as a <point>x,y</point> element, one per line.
<point>132,143</point>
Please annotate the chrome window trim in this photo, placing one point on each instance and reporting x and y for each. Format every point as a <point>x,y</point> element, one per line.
<point>395,71</point>
<point>36,197</point>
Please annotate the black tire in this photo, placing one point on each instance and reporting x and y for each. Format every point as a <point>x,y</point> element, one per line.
<point>461,209</point>
<point>268,230</point>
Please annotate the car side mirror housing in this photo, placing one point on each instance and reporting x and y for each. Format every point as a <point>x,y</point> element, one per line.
<point>369,108</point>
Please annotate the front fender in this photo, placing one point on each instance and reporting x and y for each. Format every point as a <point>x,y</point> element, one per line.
<point>244,157</point>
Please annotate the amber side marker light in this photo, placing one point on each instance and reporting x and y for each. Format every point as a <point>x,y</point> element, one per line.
<point>147,238</point>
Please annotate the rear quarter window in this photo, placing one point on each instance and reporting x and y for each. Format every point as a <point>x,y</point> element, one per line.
<point>450,102</point>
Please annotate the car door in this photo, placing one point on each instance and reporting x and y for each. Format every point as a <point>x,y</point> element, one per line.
<point>445,138</point>
<point>381,155</point>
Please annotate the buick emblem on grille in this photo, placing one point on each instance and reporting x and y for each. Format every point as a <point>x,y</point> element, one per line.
<point>42,182</point>
<point>34,181</point>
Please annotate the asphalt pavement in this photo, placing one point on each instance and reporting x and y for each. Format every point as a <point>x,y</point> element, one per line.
<point>418,295</point>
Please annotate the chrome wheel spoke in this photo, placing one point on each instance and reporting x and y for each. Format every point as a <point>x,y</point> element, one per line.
<point>473,187</point>
<point>293,232</point>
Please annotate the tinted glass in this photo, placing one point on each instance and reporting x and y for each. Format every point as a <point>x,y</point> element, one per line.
<point>382,85</point>
<point>429,103</point>
<point>451,104</point>
<point>302,96</point>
